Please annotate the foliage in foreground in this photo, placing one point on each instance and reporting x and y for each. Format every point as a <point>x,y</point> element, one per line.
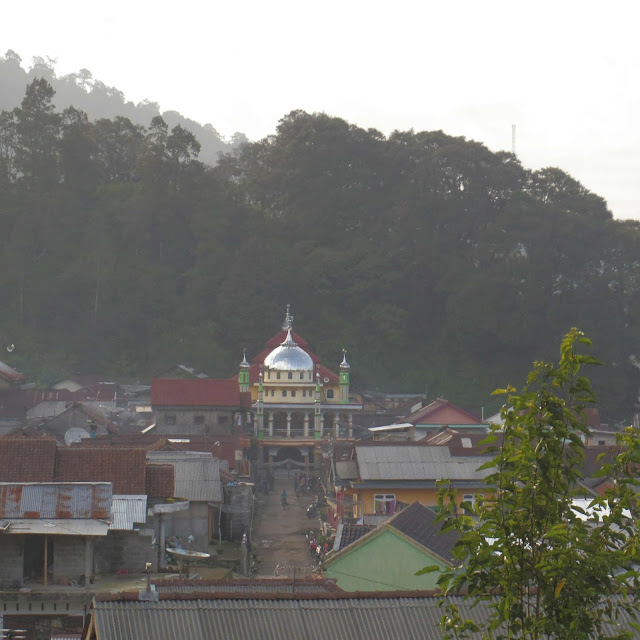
<point>546,566</point>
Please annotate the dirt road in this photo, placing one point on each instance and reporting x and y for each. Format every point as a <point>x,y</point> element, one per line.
<point>279,541</point>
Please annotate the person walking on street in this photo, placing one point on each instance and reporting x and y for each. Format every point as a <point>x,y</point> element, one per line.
<point>283,499</point>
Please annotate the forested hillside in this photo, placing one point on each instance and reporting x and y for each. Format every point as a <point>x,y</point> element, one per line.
<point>436,262</point>
<point>84,92</point>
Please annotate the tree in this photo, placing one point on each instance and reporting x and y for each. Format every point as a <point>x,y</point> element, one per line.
<point>547,567</point>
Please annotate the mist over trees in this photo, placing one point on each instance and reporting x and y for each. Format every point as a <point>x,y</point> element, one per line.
<point>86,93</point>
<point>437,263</point>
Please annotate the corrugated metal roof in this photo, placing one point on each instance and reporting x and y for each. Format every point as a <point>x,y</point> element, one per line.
<point>127,511</point>
<point>55,500</point>
<point>58,527</point>
<point>347,469</point>
<point>398,462</point>
<point>196,475</point>
<point>375,618</point>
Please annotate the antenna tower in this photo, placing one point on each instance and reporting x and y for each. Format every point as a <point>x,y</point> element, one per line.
<point>513,139</point>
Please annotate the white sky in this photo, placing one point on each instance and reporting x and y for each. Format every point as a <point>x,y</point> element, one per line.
<point>565,72</point>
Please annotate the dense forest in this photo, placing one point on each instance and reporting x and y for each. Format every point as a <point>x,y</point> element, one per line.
<point>435,262</point>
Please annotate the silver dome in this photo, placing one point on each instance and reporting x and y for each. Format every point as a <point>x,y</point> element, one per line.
<point>289,357</point>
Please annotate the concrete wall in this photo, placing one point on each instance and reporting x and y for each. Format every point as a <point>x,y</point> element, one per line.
<point>123,550</point>
<point>219,422</point>
<point>11,561</point>
<point>193,522</point>
<point>69,554</point>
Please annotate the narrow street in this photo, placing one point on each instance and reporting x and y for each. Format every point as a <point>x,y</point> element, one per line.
<point>279,541</point>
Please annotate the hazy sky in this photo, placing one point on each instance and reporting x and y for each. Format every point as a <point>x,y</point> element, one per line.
<point>566,73</point>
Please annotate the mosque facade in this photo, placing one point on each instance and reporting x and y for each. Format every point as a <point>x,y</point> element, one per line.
<point>297,403</point>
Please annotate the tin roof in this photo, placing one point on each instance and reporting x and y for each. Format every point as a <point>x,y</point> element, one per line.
<point>55,500</point>
<point>196,475</point>
<point>127,511</point>
<point>409,462</point>
<point>57,527</point>
<point>314,616</point>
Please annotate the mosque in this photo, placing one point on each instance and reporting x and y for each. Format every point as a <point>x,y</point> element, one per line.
<point>296,401</point>
<point>285,398</point>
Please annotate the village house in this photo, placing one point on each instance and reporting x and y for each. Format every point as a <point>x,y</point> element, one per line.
<point>388,556</point>
<point>383,477</point>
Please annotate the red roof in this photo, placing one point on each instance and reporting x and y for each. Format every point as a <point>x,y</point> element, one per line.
<point>27,459</point>
<point>442,411</point>
<point>9,373</point>
<point>124,468</point>
<point>196,393</point>
<point>160,481</point>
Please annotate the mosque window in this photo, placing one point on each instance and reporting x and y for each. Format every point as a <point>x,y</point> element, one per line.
<point>329,394</point>
<point>290,375</point>
<point>293,393</point>
<point>284,393</point>
<point>304,393</point>
<point>302,375</point>
<point>269,375</point>
<point>278,375</point>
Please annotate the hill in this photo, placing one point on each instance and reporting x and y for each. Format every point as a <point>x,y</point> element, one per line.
<point>436,262</point>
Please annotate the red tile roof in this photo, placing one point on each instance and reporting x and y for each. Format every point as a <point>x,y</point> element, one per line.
<point>27,459</point>
<point>124,468</point>
<point>195,393</point>
<point>160,480</point>
<point>442,411</point>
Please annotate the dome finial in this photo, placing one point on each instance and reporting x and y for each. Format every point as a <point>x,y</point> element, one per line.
<point>344,364</point>
<point>288,320</point>
<point>244,362</point>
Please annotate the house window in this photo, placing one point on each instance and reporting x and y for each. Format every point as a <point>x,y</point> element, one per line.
<point>284,393</point>
<point>330,394</point>
<point>601,442</point>
<point>223,419</point>
<point>384,504</point>
<point>293,393</point>
<point>198,419</point>
<point>170,419</point>
<point>290,375</point>
<point>471,498</point>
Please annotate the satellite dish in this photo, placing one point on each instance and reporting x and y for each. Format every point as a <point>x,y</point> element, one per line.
<point>75,434</point>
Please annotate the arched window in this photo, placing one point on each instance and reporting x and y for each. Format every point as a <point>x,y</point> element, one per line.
<point>329,394</point>
<point>302,375</point>
<point>290,375</point>
<point>284,393</point>
<point>278,375</point>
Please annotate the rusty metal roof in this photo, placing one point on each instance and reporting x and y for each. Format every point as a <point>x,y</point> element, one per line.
<point>55,500</point>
